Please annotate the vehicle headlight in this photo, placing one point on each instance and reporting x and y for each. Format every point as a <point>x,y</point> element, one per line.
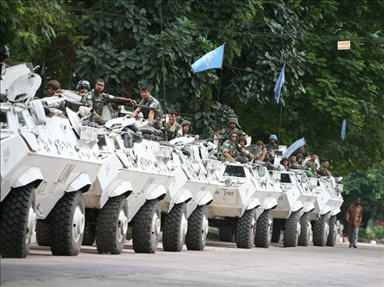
<point>228,182</point>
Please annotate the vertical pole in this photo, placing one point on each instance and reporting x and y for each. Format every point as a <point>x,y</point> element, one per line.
<point>218,92</point>
<point>162,58</point>
<point>281,110</point>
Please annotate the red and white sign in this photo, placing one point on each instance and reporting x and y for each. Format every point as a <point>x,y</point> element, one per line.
<point>343,45</point>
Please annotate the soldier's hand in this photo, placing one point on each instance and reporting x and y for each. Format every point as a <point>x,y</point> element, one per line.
<point>131,102</point>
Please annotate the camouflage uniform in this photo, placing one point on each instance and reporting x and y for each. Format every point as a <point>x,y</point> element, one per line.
<point>271,149</point>
<point>153,103</point>
<point>231,148</point>
<point>176,133</point>
<point>294,165</point>
<point>323,171</point>
<point>311,165</point>
<point>98,101</point>
<point>226,132</point>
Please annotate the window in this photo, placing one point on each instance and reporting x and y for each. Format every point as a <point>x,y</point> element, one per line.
<point>3,120</point>
<point>285,178</point>
<point>102,143</point>
<point>116,143</point>
<point>21,119</point>
<point>234,170</point>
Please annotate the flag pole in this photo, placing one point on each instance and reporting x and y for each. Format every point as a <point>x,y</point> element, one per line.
<point>221,75</point>
<point>281,110</point>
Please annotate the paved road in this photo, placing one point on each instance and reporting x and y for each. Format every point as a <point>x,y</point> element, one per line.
<point>221,264</point>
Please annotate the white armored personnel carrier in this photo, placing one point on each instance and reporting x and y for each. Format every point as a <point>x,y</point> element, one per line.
<point>243,203</point>
<point>45,168</point>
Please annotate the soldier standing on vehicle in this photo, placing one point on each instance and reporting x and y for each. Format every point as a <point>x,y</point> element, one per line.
<point>354,217</point>
<point>101,103</point>
<point>233,125</point>
<point>229,150</point>
<point>323,170</point>
<point>153,113</point>
<point>173,129</point>
<point>272,147</point>
<point>83,87</point>
<point>186,127</point>
<point>243,155</point>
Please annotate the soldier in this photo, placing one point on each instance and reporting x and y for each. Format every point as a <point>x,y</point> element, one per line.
<point>284,163</point>
<point>323,170</point>
<point>173,129</point>
<point>186,126</point>
<point>272,146</point>
<point>243,155</point>
<point>229,150</point>
<point>312,164</point>
<point>233,125</point>
<point>4,54</point>
<point>293,163</point>
<point>153,116</point>
<point>52,88</point>
<point>299,160</point>
<point>83,87</point>
<point>101,103</point>
<point>260,151</point>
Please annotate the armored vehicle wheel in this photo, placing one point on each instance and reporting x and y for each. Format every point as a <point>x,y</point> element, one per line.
<point>146,227</point>
<point>246,229</point>
<point>264,229</point>
<point>112,225</point>
<point>17,222</point>
<point>197,229</point>
<point>226,233</point>
<point>89,233</point>
<point>276,230</point>
<point>305,229</point>
<point>43,232</point>
<point>331,240</point>
<point>67,224</point>
<point>292,230</point>
<point>175,228</point>
<point>320,231</point>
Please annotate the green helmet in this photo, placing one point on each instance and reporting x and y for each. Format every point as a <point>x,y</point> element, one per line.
<point>234,121</point>
<point>185,122</point>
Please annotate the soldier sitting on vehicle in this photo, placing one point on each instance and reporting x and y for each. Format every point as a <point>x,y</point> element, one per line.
<point>260,151</point>
<point>229,149</point>
<point>186,127</point>
<point>101,103</point>
<point>243,155</point>
<point>83,87</point>
<point>153,113</point>
<point>299,160</point>
<point>323,170</point>
<point>284,163</point>
<point>173,129</point>
<point>293,163</point>
<point>233,125</point>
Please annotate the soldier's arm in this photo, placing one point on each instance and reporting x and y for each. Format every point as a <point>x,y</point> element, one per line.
<point>125,100</point>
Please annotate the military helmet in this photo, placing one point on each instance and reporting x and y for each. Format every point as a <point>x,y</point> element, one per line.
<point>273,137</point>
<point>299,155</point>
<point>284,158</point>
<point>4,51</point>
<point>259,142</point>
<point>83,84</point>
<point>233,120</point>
<point>185,122</point>
<point>242,138</point>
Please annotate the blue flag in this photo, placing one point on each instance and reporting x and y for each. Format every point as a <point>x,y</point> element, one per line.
<point>293,147</point>
<point>279,84</point>
<point>343,127</point>
<point>211,60</point>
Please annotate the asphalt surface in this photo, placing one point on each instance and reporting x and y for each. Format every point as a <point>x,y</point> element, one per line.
<point>220,264</point>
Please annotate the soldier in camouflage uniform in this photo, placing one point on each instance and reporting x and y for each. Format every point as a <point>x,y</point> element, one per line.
<point>100,101</point>
<point>233,125</point>
<point>243,155</point>
<point>259,151</point>
<point>153,115</point>
<point>272,147</point>
<point>186,127</point>
<point>323,170</point>
<point>312,164</point>
<point>230,149</point>
<point>293,163</point>
<point>173,129</point>
<point>299,160</point>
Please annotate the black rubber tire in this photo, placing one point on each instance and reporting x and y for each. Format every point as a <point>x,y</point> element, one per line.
<point>292,230</point>
<point>320,231</point>
<point>62,225</point>
<point>197,231</point>
<point>246,229</point>
<point>264,229</point>
<point>144,237</point>
<point>15,236</point>
<point>89,233</point>
<point>226,233</point>
<point>173,235</point>
<point>276,231</point>
<point>305,230</point>
<point>111,232</point>
<point>43,232</point>
<point>331,240</point>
